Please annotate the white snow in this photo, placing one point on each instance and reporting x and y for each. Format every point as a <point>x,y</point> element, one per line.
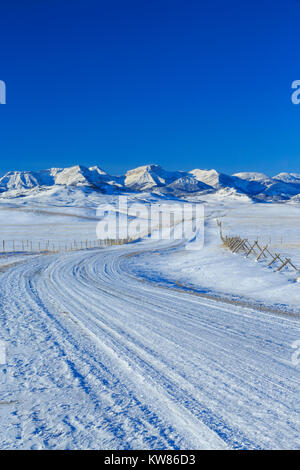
<point>216,270</point>
<point>209,177</point>
<point>288,177</point>
<point>254,176</point>
<point>152,177</point>
<point>117,349</point>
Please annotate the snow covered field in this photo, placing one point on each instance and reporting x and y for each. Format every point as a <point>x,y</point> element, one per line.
<point>218,271</point>
<point>105,350</point>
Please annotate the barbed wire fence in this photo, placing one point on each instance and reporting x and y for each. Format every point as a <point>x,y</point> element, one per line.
<point>57,246</point>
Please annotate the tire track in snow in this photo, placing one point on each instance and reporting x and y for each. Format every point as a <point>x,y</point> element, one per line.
<point>177,371</point>
<point>129,422</point>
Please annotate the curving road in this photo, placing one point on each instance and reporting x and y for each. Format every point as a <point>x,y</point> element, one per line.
<point>98,359</point>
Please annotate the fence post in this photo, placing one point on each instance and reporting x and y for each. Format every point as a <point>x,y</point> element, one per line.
<point>275,258</point>
<point>261,253</point>
<point>251,249</point>
<point>284,264</point>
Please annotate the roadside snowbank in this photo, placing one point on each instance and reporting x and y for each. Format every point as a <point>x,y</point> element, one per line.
<point>216,270</point>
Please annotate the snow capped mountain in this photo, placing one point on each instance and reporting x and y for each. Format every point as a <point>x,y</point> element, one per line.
<point>257,186</point>
<point>79,175</point>
<point>221,180</point>
<point>211,177</point>
<point>280,187</point>
<point>74,176</point>
<point>150,176</point>
<point>253,176</point>
<point>25,179</point>
<point>280,190</point>
<point>189,184</point>
<point>288,177</point>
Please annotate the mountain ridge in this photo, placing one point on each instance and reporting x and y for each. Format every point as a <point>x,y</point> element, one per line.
<point>152,177</point>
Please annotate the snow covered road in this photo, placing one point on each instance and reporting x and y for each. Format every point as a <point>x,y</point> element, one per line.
<point>96,358</point>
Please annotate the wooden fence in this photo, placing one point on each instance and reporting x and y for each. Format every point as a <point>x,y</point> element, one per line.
<point>56,246</point>
<point>242,245</point>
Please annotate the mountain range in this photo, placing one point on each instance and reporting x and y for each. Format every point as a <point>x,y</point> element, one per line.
<point>153,178</point>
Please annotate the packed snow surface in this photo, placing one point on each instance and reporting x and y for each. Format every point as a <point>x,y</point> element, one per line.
<point>99,359</point>
<point>122,348</point>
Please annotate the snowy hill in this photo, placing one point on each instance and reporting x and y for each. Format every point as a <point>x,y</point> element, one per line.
<point>154,178</point>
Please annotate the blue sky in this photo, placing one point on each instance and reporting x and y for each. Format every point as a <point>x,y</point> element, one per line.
<point>184,84</point>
